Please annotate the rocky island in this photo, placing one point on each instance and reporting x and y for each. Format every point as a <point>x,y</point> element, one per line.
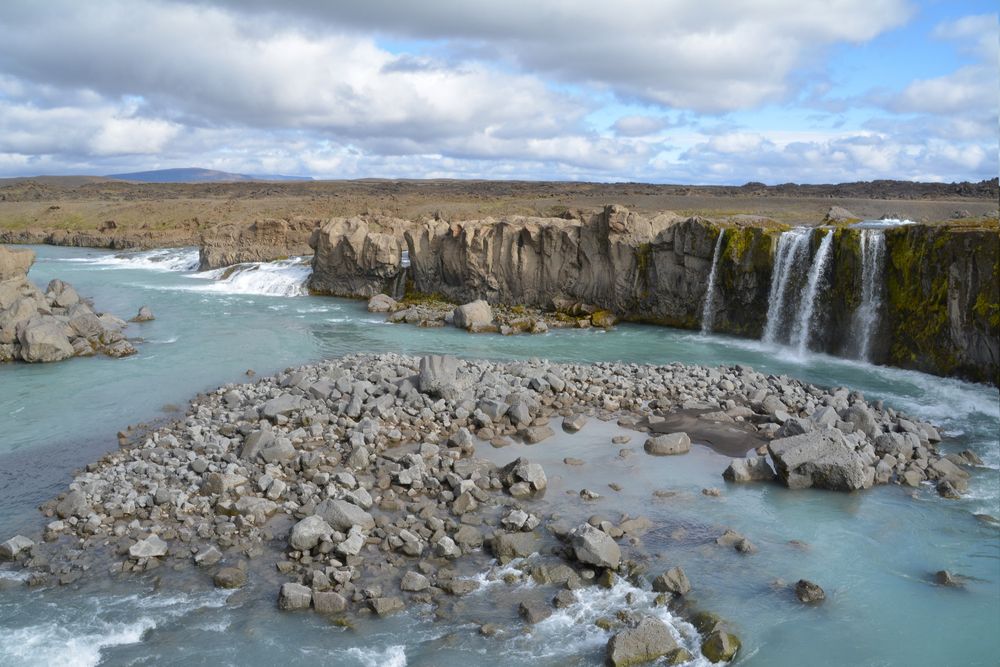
<point>361,480</point>
<point>56,324</point>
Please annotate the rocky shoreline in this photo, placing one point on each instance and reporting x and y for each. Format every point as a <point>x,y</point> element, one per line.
<point>56,324</point>
<point>358,479</point>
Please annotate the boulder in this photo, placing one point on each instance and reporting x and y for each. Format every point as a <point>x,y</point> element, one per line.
<point>328,602</point>
<point>230,577</point>
<point>386,606</point>
<point>73,504</point>
<point>574,423</point>
<point>413,582</point>
<point>44,339</point>
<point>281,405</point>
<point>151,547</point>
<point>535,434</point>
<point>838,214</point>
<point>439,376</point>
<point>668,445</point>
<point>13,547</point>
<point>342,515</point>
<point>720,646</point>
<point>534,611</point>
<point>753,469</point>
<point>307,533</point>
<point>472,316</point>
<point>294,596</point>
<point>21,310</point>
<point>808,592</point>
<point>821,459</point>
<point>508,546</point>
<point>145,314</point>
<point>595,547</point>
<point>672,581</point>
<point>648,641</point>
<point>381,303</point>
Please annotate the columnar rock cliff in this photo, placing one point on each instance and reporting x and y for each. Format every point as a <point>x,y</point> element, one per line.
<point>656,269</point>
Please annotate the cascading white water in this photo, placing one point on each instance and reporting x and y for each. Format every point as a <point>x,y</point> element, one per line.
<point>281,278</point>
<point>708,307</point>
<point>807,307</point>
<point>866,317</point>
<point>792,248</point>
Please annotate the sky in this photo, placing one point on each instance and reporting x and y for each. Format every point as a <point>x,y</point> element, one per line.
<point>658,91</point>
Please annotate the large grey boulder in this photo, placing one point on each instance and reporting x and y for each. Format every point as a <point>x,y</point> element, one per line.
<point>342,515</point>
<point>753,469</point>
<point>439,376</point>
<point>821,459</point>
<point>61,294</point>
<point>20,311</point>
<point>508,546</point>
<point>673,581</point>
<point>281,405</point>
<point>151,547</point>
<point>473,315</point>
<point>595,547</point>
<point>13,547</point>
<point>74,504</point>
<point>145,314</point>
<point>307,533</point>
<point>44,339</point>
<point>84,322</point>
<point>649,640</point>
<point>381,303</point>
<point>294,596</point>
<point>668,445</point>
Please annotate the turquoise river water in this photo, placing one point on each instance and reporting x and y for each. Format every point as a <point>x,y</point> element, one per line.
<point>873,552</point>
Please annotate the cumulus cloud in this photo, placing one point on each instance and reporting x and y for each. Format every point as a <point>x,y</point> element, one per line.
<point>458,89</point>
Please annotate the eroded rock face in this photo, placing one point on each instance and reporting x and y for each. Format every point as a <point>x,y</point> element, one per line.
<point>623,263</point>
<point>353,257</point>
<point>261,241</point>
<point>15,262</point>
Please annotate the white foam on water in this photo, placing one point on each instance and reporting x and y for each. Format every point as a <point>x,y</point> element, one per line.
<point>885,223</point>
<point>281,278</point>
<point>392,656</point>
<point>164,259</point>
<point>58,644</point>
<point>572,629</point>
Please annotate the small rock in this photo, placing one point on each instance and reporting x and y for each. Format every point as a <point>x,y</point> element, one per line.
<point>720,646</point>
<point>145,314</point>
<point>672,581</point>
<point>808,592</point>
<point>294,596</point>
<point>533,611</point>
<point>151,547</point>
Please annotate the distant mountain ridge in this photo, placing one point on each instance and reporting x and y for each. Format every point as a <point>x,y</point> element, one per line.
<point>197,175</point>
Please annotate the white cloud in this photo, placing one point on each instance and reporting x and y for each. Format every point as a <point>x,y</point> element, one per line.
<point>639,125</point>
<point>124,136</point>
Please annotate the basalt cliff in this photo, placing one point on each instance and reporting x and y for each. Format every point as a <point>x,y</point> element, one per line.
<point>930,293</point>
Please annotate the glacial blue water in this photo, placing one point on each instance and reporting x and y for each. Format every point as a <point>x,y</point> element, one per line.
<point>873,552</point>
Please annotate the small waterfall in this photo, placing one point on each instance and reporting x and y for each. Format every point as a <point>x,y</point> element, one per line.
<point>398,289</point>
<point>807,307</point>
<point>793,247</point>
<point>708,307</point>
<point>866,317</point>
<point>287,277</point>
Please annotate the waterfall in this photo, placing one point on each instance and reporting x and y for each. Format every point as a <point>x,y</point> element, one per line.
<point>793,246</point>
<point>708,308</point>
<point>866,317</point>
<point>803,328</point>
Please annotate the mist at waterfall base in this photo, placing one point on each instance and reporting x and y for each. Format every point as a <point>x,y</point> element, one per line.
<point>873,552</point>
